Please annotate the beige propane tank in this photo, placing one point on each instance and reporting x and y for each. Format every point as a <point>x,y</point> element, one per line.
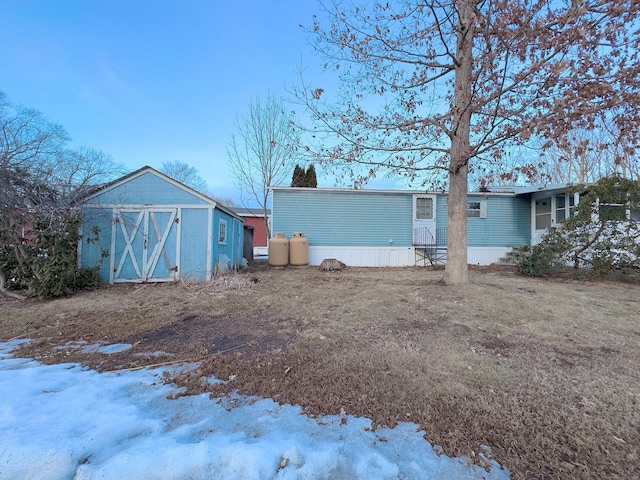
<point>299,250</point>
<point>279,251</point>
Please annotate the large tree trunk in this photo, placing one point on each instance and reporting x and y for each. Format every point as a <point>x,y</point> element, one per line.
<point>455,271</point>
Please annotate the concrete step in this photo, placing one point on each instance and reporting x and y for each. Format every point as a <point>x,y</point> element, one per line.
<point>512,257</point>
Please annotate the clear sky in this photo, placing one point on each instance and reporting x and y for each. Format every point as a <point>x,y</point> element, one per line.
<point>149,81</point>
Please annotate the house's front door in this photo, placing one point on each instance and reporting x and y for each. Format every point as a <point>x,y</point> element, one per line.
<point>424,220</point>
<point>144,245</point>
<point>542,217</point>
<point>549,211</point>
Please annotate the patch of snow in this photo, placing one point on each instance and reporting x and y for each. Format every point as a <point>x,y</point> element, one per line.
<point>114,348</point>
<point>64,421</point>
<point>73,345</point>
<point>94,347</point>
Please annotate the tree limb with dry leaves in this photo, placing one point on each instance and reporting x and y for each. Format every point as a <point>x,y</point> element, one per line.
<point>437,90</point>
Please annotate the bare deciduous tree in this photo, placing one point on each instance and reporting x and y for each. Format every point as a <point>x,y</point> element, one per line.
<point>40,178</point>
<point>262,154</point>
<point>186,174</point>
<point>78,170</point>
<point>432,89</point>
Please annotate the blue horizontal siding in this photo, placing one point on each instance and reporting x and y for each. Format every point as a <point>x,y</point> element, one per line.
<point>362,218</point>
<point>334,218</point>
<point>508,221</point>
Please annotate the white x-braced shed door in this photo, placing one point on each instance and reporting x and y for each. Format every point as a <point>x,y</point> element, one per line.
<point>144,245</point>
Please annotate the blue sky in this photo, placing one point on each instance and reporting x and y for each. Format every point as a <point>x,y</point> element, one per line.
<point>149,81</point>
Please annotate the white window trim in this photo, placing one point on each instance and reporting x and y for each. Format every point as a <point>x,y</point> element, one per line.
<point>482,211</point>
<point>222,240</point>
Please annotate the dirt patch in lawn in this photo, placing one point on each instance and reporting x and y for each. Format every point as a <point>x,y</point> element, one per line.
<point>544,373</point>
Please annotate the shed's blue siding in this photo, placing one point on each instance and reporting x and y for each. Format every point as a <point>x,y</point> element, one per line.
<point>190,220</point>
<point>147,189</point>
<point>192,240</point>
<point>232,248</point>
<point>96,239</point>
<point>334,218</point>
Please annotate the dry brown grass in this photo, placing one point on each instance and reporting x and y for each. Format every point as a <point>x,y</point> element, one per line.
<point>545,372</point>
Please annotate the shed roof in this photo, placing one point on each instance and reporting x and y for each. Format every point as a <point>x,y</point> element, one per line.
<point>147,169</point>
<point>251,212</point>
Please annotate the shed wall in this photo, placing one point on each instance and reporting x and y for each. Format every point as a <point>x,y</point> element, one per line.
<point>96,238</point>
<point>194,252</point>
<point>147,189</point>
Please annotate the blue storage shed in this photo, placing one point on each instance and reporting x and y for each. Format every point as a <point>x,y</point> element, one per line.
<point>147,227</point>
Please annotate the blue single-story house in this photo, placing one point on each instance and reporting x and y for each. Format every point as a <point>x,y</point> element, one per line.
<point>406,228</point>
<point>154,229</point>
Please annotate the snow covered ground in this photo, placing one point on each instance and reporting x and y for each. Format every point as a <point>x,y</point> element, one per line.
<point>68,422</point>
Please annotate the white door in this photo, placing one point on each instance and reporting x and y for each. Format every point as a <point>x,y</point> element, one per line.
<point>144,245</point>
<point>549,211</point>
<point>424,220</point>
<point>542,217</point>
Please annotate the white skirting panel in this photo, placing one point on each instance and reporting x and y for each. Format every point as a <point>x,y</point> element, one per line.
<point>365,256</point>
<point>394,256</point>
<point>485,255</point>
<point>260,251</point>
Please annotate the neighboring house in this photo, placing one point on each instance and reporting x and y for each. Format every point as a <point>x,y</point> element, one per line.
<point>155,229</point>
<point>402,228</point>
<point>254,217</point>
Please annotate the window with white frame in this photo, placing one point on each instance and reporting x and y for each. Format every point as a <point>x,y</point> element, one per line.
<point>613,211</point>
<point>477,209</point>
<point>565,207</point>
<point>614,207</point>
<point>620,209</point>
<point>222,232</point>
<point>424,208</point>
